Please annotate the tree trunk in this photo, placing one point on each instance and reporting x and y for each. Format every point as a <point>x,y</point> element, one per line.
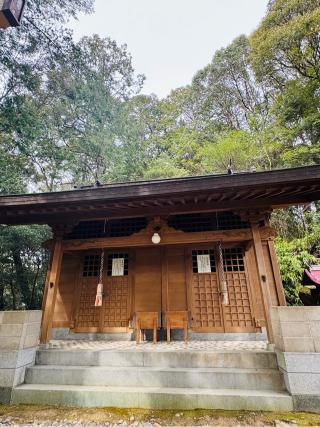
<point>1,296</point>
<point>32,305</point>
<point>22,281</point>
<point>13,293</point>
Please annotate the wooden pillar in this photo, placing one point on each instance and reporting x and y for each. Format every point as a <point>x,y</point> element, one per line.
<point>263,280</point>
<point>51,291</point>
<point>46,284</point>
<point>164,281</point>
<point>276,273</point>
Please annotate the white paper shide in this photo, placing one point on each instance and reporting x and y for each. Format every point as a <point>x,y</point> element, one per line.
<point>117,267</point>
<point>203,262</point>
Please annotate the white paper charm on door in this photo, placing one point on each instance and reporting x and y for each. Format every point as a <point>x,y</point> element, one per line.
<point>117,267</point>
<point>203,262</point>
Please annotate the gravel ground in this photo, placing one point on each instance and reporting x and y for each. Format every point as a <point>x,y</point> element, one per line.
<point>49,416</point>
<point>136,424</point>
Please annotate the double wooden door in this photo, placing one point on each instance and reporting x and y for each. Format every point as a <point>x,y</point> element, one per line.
<point>209,314</point>
<point>161,279</point>
<point>114,315</point>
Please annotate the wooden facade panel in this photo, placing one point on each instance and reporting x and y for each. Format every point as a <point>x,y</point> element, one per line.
<point>270,275</point>
<point>255,286</point>
<point>176,285</point>
<point>148,279</point>
<point>64,307</point>
<point>159,279</point>
<point>238,313</point>
<point>88,316</point>
<point>116,303</point>
<point>206,304</point>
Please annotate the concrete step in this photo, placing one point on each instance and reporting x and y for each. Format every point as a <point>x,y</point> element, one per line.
<point>152,397</point>
<point>170,359</point>
<point>66,334</point>
<point>209,378</point>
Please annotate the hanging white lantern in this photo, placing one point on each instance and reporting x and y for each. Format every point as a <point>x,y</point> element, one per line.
<point>156,239</point>
<point>11,12</point>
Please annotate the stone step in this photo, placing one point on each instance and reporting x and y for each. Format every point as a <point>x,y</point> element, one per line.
<point>173,359</point>
<point>209,378</point>
<point>152,398</point>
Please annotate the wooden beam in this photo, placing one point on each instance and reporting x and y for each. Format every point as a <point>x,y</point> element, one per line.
<point>171,238</point>
<point>278,192</point>
<point>51,294</point>
<point>173,187</point>
<point>10,217</point>
<point>263,279</point>
<point>240,194</point>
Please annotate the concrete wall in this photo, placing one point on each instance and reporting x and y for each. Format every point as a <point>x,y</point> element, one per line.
<point>296,329</point>
<point>19,339</point>
<point>297,343</point>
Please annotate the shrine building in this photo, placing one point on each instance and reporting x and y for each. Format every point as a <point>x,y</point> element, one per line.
<point>201,245</point>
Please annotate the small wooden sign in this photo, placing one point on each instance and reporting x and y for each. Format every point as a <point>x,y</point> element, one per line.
<point>203,262</point>
<point>117,267</point>
<point>11,12</point>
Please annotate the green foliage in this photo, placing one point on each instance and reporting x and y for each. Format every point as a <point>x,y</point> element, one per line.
<point>286,44</point>
<point>293,256</point>
<point>298,246</point>
<point>23,265</point>
<point>249,152</point>
<point>71,113</point>
<point>226,91</point>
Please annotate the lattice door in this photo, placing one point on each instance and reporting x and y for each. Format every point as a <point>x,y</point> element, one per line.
<point>206,304</point>
<point>117,298</point>
<point>88,316</point>
<point>238,313</point>
<point>116,306</point>
<point>115,312</point>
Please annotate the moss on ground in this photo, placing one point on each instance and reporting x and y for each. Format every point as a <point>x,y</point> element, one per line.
<point>32,413</point>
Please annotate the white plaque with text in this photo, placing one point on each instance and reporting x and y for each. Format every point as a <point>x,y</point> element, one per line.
<point>203,262</point>
<point>117,267</point>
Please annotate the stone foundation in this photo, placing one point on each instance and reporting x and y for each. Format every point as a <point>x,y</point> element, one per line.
<point>19,340</point>
<point>176,335</point>
<point>297,343</point>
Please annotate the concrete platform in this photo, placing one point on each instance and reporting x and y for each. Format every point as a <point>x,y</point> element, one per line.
<point>208,378</point>
<point>177,335</point>
<point>152,397</point>
<point>174,346</point>
<point>200,374</point>
<point>155,358</point>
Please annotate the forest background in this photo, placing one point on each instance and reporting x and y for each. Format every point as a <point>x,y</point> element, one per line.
<point>71,113</point>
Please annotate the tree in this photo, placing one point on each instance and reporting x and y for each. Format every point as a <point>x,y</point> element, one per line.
<point>91,88</point>
<point>287,43</point>
<point>239,146</point>
<point>26,55</point>
<point>27,52</point>
<point>71,113</point>
<point>226,92</point>
<point>23,265</point>
<point>297,118</point>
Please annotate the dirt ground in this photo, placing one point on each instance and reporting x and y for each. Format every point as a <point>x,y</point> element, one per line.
<point>63,416</point>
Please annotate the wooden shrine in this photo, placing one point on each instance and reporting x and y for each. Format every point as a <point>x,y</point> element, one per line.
<point>202,246</point>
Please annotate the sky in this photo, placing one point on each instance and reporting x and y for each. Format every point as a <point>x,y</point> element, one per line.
<point>170,40</point>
